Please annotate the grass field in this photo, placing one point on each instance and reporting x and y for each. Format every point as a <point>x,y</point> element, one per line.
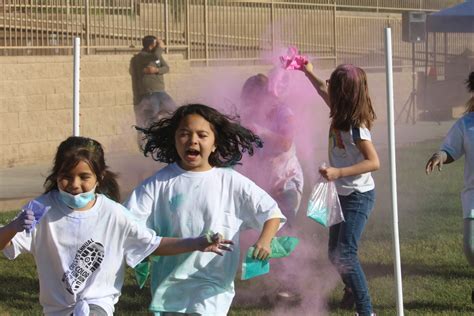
<point>436,277</point>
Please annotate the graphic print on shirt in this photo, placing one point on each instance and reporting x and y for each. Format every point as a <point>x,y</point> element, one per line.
<point>87,260</point>
<point>336,144</point>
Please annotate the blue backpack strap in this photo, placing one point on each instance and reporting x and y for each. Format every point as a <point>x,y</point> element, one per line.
<point>355,134</point>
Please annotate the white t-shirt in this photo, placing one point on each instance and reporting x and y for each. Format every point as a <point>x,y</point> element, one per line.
<point>343,152</point>
<point>272,169</point>
<point>80,255</point>
<point>460,141</point>
<point>179,203</point>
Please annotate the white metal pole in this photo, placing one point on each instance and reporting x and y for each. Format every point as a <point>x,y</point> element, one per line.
<point>76,90</point>
<point>393,168</point>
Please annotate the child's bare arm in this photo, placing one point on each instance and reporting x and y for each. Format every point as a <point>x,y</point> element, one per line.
<point>438,159</point>
<point>262,246</point>
<point>370,163</point>
<point>170,246</point>
<point>318,83</point>
<point>23,221</point>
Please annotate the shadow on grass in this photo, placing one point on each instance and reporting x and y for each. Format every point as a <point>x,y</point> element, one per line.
<point>449,272</point>
<point>414,308</point>
<point>437,307</point>
<point>19,292</point>
<point>133,300</point>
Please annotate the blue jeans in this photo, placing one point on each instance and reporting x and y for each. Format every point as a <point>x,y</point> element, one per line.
<point>344,242</point>
<point>153,107</point>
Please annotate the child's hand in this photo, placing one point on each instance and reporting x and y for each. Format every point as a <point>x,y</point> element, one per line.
<point>215,243</point>
<point>24,220</point>
<point>436,160</point>
<point>262,250</point>
<point>330,173</point>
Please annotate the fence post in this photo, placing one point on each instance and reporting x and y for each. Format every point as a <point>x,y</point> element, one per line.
<point>167,25</point>
<point>76,85</point>
<point>88,39</point>
<point>188,44</point>
<point>206,31</point>
<point>335,31</point>
<point>272,21</point>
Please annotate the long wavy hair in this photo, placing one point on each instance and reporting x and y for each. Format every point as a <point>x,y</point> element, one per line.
<point>232,139</point>
<point>350,104</point>
<point>75,149</point>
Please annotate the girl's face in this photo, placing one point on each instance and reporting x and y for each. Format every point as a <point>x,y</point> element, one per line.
<point>78,180</point>
<point>195,141</point>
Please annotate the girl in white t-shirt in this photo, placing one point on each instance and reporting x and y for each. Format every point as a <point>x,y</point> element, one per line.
<point>81,238</point>
<point>352,157</point>
<point>458,142</point>
<point>199,191</point>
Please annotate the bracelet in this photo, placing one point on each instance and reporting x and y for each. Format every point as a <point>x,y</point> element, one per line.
<point>209,235</point>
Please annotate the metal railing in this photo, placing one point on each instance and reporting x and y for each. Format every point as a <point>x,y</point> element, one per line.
<point>216,31</point>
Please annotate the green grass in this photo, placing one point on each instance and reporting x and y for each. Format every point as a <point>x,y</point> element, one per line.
<point>436,277</point>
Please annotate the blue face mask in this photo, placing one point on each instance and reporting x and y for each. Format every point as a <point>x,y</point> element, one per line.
<point>79,200</point>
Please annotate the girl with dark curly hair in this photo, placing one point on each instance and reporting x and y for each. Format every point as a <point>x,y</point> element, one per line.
<point>199,192</point>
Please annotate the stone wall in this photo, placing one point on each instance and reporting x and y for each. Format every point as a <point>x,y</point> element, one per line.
<point>36,100</point>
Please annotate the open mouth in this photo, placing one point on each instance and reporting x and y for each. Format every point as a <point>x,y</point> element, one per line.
<point>192,153</point>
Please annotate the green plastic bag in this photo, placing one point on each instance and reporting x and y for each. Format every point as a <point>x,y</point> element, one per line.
<point>323,205</point>
<point>142,270</point>
<point>280,247</point>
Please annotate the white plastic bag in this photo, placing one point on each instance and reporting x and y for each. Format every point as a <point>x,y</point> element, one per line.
<point>324,206</point>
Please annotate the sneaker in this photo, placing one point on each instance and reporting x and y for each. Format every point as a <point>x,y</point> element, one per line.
<point>371,314</point>
<point>288,297</point>
<point>348,300</point>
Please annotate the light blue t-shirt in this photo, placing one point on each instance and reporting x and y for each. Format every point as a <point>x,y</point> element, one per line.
<point>458,142</point>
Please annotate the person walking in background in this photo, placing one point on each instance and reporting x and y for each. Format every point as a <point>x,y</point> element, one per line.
<point>458,142</point>
<point>352,158</point>
<point>275,167</point>
<point>84,237</point>
<point>147,68</point>
<point>200,191</point>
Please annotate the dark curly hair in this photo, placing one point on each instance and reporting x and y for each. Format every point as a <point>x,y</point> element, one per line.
<point>71,152</point>
<point>232,139</point>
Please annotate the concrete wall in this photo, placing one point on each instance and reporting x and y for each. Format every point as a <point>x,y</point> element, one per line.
<point>36,100</point>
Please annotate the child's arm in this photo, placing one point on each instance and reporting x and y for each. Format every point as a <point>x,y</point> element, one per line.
<point>319,84</point>
<point>438,159</point>
<point>262,246</point>
<point>273,140</point>
<point>370,163</point>
<point>23,221</point>
<point>174,246</point>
